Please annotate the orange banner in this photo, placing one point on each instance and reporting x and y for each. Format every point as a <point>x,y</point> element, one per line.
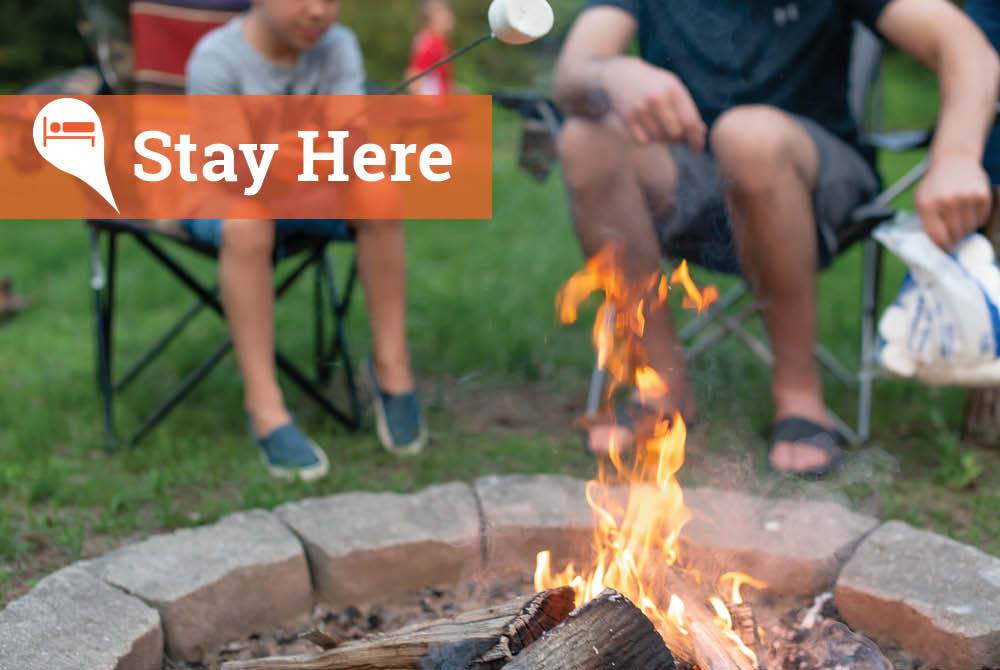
<point>260,157</point>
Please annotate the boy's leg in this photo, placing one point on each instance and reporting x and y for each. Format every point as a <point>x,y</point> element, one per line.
<point>617,190</point>
<point>246,283</point>
<point>382,270</point>
<point>771,163</point>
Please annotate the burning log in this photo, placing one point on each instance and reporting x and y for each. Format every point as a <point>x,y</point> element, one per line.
<point>711,654</point>
<point>482,640</point>
<point>607,632</point>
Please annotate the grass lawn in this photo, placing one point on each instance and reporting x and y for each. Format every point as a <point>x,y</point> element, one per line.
<point>501,379</point>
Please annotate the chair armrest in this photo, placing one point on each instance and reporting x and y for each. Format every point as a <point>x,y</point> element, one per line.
<point>528,105</point>
<point>78,81</point>
<point>900,140</point>
<point>864,220</point>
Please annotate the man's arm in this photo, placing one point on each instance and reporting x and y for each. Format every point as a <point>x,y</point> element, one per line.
<point>594,79</point>
<point>954,198</point>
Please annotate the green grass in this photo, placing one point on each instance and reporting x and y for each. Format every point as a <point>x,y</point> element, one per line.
<point>501,380</point>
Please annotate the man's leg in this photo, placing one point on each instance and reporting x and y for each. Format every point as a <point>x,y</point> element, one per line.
<point>770,164</point>
<point>245,278</point>
<point>617,189</point>
<point>382,270</point>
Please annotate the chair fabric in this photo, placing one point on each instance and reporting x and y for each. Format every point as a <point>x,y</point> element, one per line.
<point>867,50</point>
<point>165,32</point>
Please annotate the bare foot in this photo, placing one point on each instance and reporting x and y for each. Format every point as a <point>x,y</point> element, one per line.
<point>267,421</point>
<point>394,377</point>
<point>796,458</point>
<point>799,457</point>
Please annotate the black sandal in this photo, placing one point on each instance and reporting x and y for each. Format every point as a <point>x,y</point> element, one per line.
<point>797,430</point>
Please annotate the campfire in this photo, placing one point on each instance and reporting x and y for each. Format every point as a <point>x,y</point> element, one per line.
<point>637,500</point>
<point>635,604</point>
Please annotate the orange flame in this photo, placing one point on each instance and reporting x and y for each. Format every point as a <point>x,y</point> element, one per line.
<point>638,503</point>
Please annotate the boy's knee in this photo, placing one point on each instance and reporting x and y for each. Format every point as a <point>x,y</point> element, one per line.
<point>379,227</point>
<point>248,237</point>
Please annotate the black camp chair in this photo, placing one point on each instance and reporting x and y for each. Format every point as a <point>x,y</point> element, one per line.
<point>158,70</point>
<point>728,316</point>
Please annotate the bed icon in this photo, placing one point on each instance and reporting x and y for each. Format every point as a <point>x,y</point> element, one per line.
<point>69,130</point>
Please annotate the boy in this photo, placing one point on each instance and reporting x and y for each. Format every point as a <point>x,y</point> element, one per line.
<point>296,47</point>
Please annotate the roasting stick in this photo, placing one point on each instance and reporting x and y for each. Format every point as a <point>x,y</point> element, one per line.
<point>511,21</point>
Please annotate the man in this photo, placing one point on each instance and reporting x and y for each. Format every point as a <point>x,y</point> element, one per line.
<point>986,14</point>
<point>731,133</point>
<point>281,47</point>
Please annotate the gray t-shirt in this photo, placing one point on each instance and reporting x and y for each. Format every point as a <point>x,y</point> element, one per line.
<point>224,63</point>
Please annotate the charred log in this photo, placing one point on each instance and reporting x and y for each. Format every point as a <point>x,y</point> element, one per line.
<point>607,632</point>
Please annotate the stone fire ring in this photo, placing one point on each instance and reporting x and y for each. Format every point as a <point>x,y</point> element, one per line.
<point>185,592</point>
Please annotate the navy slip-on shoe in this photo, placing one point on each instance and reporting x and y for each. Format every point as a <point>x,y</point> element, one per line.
<point>288,454</point>
<point>399,419</point>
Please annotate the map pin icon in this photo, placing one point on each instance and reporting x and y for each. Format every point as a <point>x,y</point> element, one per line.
<point>68,134</point>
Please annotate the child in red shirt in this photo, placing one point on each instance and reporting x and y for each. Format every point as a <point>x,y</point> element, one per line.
<point>432,43</point>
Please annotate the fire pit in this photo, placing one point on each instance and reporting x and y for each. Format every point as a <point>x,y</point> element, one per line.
<point>635,603</point>
<point>629,571</point>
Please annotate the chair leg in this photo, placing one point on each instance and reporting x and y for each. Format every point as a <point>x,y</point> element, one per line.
<point>871,283</point>
<point>342,306</point>
<point>102,284</point>
<point>336,349</point>
<point>323,370</point>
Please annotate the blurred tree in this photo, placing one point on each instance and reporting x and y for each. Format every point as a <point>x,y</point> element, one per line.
<point>37,38</point>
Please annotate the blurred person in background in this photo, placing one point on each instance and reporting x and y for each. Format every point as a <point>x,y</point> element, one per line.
<point>431,44</point>
<point>10,302</point>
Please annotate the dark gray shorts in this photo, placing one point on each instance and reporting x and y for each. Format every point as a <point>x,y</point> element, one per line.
<point>698,227</point>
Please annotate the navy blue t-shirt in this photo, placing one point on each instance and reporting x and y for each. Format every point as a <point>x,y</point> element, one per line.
<point>792,54</point>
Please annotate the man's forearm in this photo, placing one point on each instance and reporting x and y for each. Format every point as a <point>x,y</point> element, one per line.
<point>969,72</point>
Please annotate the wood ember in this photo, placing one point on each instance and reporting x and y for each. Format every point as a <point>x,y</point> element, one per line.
<point>827,645</point>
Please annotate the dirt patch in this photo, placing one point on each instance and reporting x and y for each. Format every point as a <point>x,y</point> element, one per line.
<point>481,405</point>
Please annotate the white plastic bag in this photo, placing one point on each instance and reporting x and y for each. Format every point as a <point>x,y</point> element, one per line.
<point>944,327</point>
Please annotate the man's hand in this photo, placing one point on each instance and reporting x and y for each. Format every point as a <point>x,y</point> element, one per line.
<point>653,103</point>
<point>953,200</point>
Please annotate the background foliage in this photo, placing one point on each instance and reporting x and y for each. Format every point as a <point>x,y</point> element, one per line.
<point>39,38</point>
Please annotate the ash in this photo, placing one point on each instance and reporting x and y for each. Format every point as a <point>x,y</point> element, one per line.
<point>355,623</point>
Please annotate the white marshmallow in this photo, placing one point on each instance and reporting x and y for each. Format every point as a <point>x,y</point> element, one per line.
<point>988,277</point>
<point>895,325</point>
<point>974,251</point>
<point>897,361</point>
<point>520,21</point>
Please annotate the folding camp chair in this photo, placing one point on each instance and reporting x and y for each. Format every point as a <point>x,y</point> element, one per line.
<point>730,314</point>
<point>163,34</point>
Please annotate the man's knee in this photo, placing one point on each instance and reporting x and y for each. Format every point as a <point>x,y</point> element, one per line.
<point>759,148</point>
<point>248,237</point>
<point>596,158</point>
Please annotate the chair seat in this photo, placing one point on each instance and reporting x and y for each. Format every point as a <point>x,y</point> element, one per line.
<point>291,244</point>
